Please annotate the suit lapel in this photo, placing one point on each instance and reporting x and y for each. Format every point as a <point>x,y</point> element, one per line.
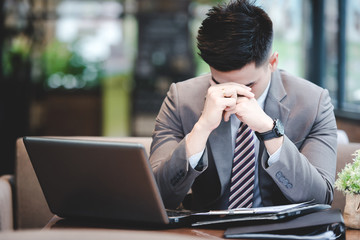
<point>274,106</point>
<point>221,148</point>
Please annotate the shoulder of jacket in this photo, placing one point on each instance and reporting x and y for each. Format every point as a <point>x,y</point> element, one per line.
<point>290,80</point>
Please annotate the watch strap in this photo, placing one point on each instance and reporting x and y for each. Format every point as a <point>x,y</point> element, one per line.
<point>273,133</point>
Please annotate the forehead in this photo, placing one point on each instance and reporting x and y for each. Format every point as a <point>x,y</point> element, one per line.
<point>245,75</point>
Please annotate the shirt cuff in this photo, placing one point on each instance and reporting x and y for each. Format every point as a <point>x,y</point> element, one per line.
<point>275,157</point>
<point>194,159</point>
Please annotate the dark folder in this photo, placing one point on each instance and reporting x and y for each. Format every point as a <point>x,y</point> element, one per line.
<point>324,224</point>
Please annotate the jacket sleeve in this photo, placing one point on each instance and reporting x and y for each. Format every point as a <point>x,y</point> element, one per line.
<point>306,169</point>
<point>171,168</point>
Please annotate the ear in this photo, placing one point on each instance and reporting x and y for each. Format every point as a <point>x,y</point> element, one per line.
<point>211,81</point>
<point>273,61</point>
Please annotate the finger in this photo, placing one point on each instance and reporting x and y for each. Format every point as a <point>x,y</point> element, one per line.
<point>230,93</point>
<point>230,108</point>
<point>222,92</point>
<point>214,92</point>
<point>241,99</point>
<point>227,103</point>
<point>244,91</point>
<point>227,116</point>
<point>232,89</point>
<point>232,84</point>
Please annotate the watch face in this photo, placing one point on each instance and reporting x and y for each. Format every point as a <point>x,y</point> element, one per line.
<point>279,128</point>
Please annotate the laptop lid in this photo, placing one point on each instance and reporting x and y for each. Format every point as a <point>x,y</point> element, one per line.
<point>96,179</point>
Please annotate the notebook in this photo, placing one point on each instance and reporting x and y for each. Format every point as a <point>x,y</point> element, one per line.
<point>114,181</point>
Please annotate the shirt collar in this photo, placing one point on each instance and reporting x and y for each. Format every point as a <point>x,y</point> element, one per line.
<point>261,99</point>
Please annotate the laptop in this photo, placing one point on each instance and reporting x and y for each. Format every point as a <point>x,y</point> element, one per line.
<point>97,179</point>
<point>112,180</point>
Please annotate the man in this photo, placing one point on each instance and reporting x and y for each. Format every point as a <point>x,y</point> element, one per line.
<point>287,137</point>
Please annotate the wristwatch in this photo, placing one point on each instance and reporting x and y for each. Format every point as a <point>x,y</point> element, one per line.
<point>275,132</point>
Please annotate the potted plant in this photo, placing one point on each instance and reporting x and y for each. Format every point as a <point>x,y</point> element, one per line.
<point>348,182</point>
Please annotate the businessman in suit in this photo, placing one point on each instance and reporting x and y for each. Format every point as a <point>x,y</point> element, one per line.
<point>289,120</point>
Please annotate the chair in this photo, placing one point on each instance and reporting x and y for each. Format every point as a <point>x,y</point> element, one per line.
<point>6,203</point>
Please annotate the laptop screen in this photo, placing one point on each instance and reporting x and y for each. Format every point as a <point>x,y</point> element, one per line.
<point>97,179</point>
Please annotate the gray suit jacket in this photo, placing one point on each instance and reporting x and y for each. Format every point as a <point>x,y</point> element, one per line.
<point>307,164</point>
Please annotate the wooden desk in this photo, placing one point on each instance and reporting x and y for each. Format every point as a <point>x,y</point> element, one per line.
<point>57,223</point>
<point>193,233</point>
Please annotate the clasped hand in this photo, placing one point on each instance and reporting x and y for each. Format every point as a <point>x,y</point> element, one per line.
<point>225,99</point>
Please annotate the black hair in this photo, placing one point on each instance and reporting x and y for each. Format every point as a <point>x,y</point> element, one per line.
<point>234,35</point>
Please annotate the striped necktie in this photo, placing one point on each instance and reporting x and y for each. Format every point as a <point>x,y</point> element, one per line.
<point>243,169</point>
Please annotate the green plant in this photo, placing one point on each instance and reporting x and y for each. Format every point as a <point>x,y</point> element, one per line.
<point>66,69</point>
<point>348,180</point>
<point>16,53</point>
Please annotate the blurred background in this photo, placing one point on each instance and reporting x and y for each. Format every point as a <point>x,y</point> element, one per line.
<point>103,67</point>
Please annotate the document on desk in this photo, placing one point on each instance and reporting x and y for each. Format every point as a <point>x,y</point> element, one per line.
<point>272,213</point>
<point>259,210</point>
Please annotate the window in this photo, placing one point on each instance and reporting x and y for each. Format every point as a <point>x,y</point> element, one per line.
<point>342,31</point>
<point>352,73</point>
<point>331,53</point>
<point>320,41</point>
<point>289,36</point>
